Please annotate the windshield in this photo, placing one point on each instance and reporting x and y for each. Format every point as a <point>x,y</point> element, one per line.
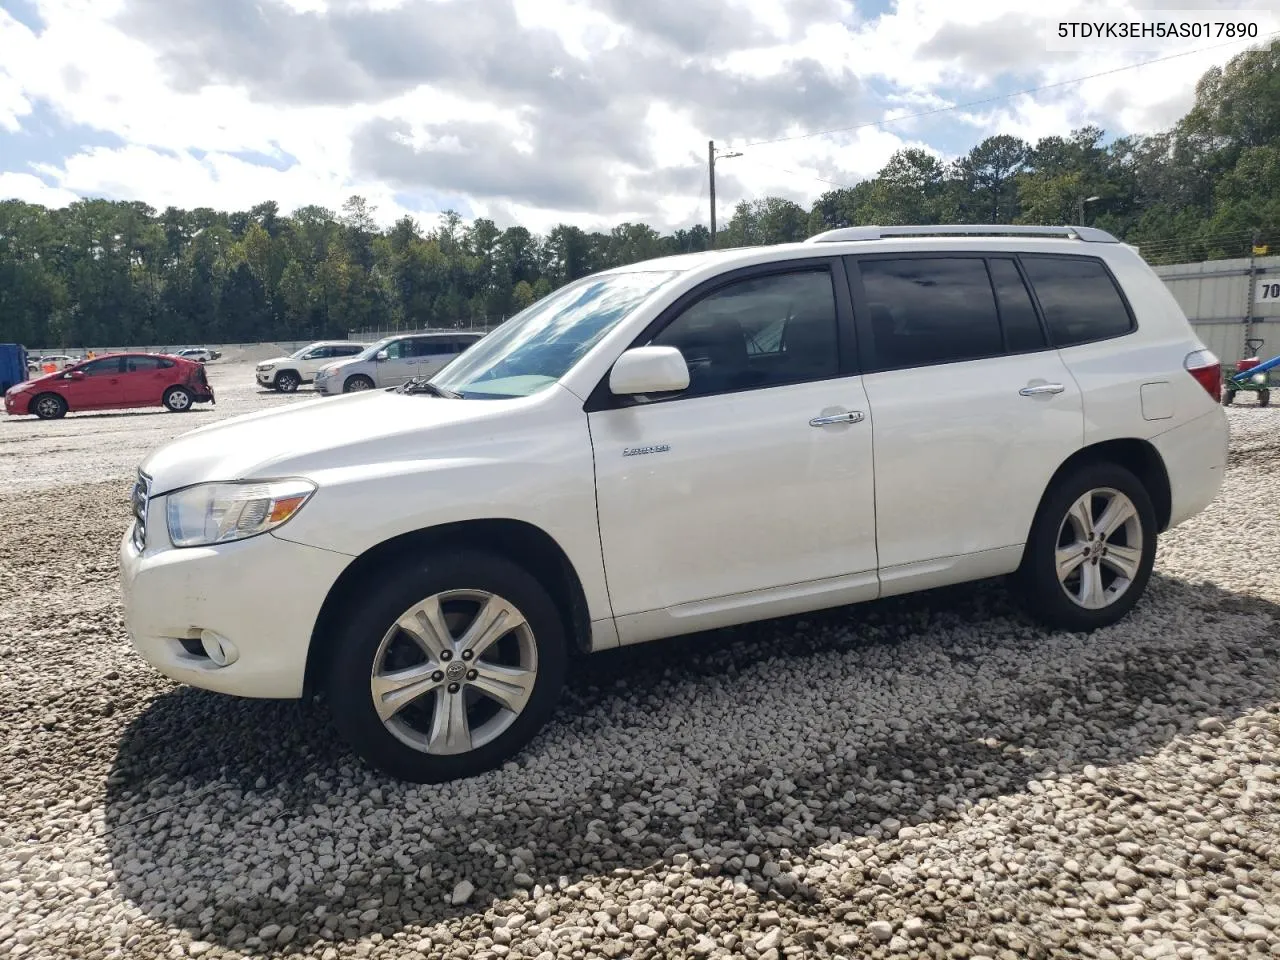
<point>369,352</point>
<point>299,354</point>
<point>539,345</point>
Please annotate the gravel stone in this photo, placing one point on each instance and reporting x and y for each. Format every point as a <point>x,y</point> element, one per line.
<point>928,776</point>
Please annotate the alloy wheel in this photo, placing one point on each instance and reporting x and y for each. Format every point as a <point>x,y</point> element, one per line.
<point>1099,550</point>
<point>454,672</point>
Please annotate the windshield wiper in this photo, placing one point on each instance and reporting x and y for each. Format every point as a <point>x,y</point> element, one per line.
<point>423,385</point>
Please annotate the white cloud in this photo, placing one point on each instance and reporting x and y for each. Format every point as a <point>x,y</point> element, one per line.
<point>89,72</point>
<point>31,189</point>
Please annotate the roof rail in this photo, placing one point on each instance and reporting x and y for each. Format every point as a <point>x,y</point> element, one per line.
<point>1088,234</point>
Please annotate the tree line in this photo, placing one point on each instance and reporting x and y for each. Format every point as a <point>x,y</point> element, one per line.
<point>102,272</point>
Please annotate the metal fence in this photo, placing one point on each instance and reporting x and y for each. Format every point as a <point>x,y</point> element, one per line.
<point>1229,302</point>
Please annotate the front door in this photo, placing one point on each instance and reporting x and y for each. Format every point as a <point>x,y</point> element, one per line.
<point>974,412</point>
<point>101,386</point>
<point>749,494</point>
<point>400,364</point>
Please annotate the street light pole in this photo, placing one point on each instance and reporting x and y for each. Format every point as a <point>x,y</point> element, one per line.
<point>1081,201</point>
<point>711,173</point>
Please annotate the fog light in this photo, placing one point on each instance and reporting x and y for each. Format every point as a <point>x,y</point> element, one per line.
<point>218,648</point>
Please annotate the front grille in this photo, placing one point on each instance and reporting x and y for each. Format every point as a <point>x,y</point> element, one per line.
<point>140,498</point>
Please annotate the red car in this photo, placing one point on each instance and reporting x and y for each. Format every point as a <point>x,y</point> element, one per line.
<point>113,382</point>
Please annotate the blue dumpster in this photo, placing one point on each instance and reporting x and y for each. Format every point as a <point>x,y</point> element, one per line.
<point>13,365</point>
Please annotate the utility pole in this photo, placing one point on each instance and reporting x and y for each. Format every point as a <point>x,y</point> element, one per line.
<point>711,172</point>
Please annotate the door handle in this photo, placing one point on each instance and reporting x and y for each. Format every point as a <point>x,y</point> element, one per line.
<point>1041,388</point>
<point>854,416</point>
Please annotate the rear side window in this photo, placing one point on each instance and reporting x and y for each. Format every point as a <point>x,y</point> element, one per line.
<point>927,310</point>
<point>143,364</point>
<point>1022,331</point>
<point>1079,299</point>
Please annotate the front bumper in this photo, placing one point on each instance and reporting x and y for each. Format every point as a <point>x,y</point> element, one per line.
<point>18,405</point>
<point>266,377</point>
<point>328,385</point>
<point>262,594</point>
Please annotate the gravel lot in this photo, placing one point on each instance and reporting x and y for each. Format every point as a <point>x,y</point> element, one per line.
<point>925,776</point>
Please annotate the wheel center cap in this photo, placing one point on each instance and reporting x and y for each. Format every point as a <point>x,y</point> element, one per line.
<point>455,671</point>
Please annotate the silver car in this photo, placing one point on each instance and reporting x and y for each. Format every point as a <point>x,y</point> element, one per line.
<point>392,361</point>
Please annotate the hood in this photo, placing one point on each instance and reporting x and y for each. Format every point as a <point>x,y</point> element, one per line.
<point>273,360</point>
<point>343,362</point>
<point>323,434</point>
<point>33,381</point>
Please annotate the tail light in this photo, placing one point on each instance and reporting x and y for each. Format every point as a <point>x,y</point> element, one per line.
<point>1205,366</point>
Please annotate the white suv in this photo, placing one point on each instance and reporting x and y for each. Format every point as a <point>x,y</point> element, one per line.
<point>286,374</point>
<point>680,445</point>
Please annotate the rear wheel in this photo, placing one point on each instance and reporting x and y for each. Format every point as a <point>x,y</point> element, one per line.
<point>49,406</point>
<point>178,399</point>
<point>1264,398</point>
<point>1228,397</point>
<point>358,382</point>
<point>448,668</point>
<point>1091,549</point>
<point>287,381</point>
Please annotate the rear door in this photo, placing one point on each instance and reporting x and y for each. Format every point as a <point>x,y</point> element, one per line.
<point>973,412</point>
<point>145,379</point>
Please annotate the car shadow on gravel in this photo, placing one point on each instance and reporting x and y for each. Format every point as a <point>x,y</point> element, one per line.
<point>225,816</point>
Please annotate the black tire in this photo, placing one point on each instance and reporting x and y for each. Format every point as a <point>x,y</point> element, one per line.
<point>287,381</point>
<point>1043,595</point>
<point>358,382</point>
<point>178,400</point>
<point>48,406</point>
<point>1264,398</point>
<point>1228,397</point>
<point>359,636</point>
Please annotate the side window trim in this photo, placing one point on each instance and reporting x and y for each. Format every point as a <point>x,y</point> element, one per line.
<point>847,340</point>
<point>1044,320</point>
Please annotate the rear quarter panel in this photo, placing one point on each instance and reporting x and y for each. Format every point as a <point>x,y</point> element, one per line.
<point>1114,375</point>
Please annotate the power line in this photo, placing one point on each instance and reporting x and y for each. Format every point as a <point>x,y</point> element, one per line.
<point>996,99</point>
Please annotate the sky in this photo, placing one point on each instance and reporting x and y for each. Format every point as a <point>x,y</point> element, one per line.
<point>538,112</point>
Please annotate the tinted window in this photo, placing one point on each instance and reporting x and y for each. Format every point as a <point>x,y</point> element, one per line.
<point>1079,299</point>
<point>930,310</point>
<point>349,351</point>
<point>106,367</point>
<point>760,332</point>
<point>1017,314</point>
<point>142,364</point>
<point>435,347</point>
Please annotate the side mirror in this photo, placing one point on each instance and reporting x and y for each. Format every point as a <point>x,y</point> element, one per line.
<point>380,355</point>
<point>649,370</point>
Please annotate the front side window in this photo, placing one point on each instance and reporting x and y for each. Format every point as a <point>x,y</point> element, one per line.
<point>539,345</point>
<point>928,310</point>
<point>399,349</point>
<point>346,351</point>
<point>1079,299</point>
<point>106,367</point>
<point>759,332</point>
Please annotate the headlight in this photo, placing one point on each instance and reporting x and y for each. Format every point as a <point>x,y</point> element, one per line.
<point>265,366</point>
<point>221,512</point>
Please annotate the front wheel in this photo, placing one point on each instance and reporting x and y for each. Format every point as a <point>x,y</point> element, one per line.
<point>1091,549</point>
<point>448,668</point>
<point>178,399</point>
<point>287,382</point>
<point>1228,397</point>
<point>1264,398</point>
<point>358,382</point>
<point>49,406</point>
